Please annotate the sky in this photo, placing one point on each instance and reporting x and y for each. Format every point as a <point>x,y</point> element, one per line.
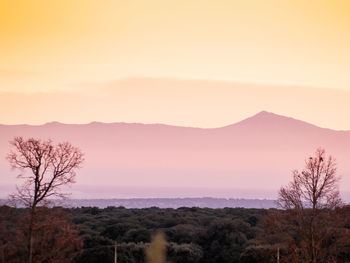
<point>190,63</point>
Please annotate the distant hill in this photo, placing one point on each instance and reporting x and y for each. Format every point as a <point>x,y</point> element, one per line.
<point>174,202</point>
<point>254,156</point>
<point>208,202</point>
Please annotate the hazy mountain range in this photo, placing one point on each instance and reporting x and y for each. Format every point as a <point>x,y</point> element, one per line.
<point>202,202</point>
<point>248,159</point>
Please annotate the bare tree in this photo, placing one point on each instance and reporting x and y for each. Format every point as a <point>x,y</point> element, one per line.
<point>309,199</point>
<point>50,167</point>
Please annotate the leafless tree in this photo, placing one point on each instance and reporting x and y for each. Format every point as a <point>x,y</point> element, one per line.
<point>45,168</point>
<point>310,198</point>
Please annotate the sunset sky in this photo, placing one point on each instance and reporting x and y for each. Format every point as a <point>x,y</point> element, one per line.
<point>192,63</point>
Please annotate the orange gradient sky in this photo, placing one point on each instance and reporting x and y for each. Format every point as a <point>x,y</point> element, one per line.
<point>79,61</point>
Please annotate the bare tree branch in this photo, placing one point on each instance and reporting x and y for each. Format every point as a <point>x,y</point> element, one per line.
<point>312,191</point>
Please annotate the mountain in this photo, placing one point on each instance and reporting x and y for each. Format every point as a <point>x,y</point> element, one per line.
<point>249,159</point>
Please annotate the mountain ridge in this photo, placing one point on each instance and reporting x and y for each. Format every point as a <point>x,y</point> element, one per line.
<point>257,153</point>
<point>260,115</point>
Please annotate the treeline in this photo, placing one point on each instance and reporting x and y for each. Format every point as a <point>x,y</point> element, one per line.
<point>194,235</point>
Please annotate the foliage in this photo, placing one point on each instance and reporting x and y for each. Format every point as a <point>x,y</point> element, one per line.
<point>55,239</point>
<point>194,234</point>
<point>198,235</point>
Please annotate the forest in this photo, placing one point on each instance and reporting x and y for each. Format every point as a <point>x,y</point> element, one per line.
<point>193,235</point>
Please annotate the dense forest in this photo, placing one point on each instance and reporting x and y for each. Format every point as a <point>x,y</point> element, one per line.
<point>193,234</point>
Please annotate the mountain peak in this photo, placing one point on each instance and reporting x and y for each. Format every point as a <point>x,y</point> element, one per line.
<point>264,114</point>
<point>269,120</point>
<point>270,116</point>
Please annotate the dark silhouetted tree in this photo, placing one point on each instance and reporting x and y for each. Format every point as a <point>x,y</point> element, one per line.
<point>45,168</point>
<point>310,200</point>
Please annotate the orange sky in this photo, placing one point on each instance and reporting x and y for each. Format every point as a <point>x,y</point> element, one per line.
<point>55,48</point>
